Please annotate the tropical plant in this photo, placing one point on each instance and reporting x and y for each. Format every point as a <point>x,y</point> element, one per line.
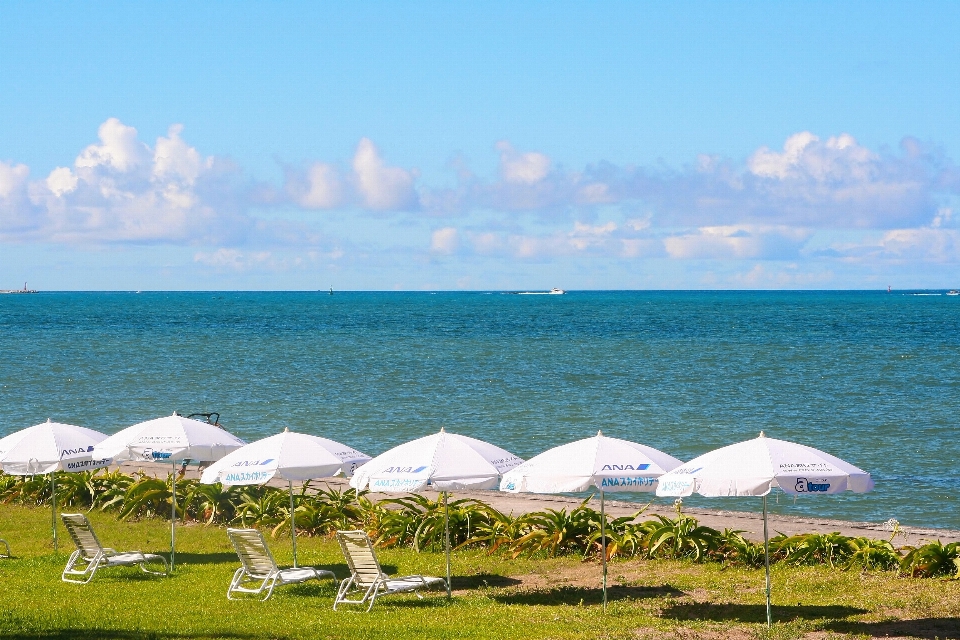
<point>343,506</point>
<point>932,560</point>
<point>262,506</point>
<point>733,548</point>
<point>624,536</point>
<point>496,530</point>
<point>681,537</point>
<point>110,488</point>
<point>421,522</point>
<point>147,497</point>
<point>816,548</point>
<point>869,553</point>
<point>555,532</point>
<point>210,503</point>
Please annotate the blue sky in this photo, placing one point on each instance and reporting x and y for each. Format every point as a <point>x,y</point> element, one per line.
<point>479,145</point>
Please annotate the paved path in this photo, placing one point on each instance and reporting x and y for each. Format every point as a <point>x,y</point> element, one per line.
<point>750,523</point>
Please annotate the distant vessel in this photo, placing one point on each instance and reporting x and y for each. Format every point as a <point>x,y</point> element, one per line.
<point>953,292</point>
<point>331,290</point>
<point>552,292</point>
<point>24,290</point>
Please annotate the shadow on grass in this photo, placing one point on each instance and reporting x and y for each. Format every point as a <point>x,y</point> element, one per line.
<point>755,612</point>
<point>920,628</point>
<point>482,580</point>
<point>222,557</point>
<point>591,595</point>
<point>118,634</point>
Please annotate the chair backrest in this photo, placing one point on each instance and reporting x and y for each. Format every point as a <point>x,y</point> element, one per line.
<point>252,549</point>
<point>360,556</point>
<point>82,533</point>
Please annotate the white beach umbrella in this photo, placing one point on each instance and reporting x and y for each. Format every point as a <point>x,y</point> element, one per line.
<point>445,461</point>
<point>170,439</point>
<point>47,448</point>
<point>608,464</point>
<point>754,467</point>
<point>287,456</point>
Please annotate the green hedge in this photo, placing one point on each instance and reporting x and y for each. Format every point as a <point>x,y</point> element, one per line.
<point>418,521</point>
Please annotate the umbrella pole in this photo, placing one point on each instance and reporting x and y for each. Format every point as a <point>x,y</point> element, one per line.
<point>173,514</point>
<point>293,524</point>
<point>766,557</point>
<point>446,539</point>
<point>603,548</point>
<point>53,501</point>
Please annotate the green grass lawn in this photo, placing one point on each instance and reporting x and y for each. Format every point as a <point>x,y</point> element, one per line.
<point>495,597</point>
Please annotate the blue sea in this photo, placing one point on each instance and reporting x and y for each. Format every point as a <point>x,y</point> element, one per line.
<point>871,377</point>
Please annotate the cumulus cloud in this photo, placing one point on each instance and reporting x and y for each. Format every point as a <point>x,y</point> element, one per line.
<point>383,188</point>
<point>320,187</point>
<point>121,190</point>
<point>12,178</point>
<point>522,168</point>
<point>369,184</point>
<point>119,148</point>
<point>737,242</point>
<point>61,180</point>
<point>808,183</point>
<point>445,240</point>
<point>783,202</point>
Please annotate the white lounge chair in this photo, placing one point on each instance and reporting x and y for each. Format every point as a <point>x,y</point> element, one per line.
<point>367,577</point>
<point>7,554</point>
<point>94,555</point>
<point>259,571</point>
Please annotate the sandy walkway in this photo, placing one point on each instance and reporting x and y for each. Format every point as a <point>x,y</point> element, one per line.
<point>750,523</point>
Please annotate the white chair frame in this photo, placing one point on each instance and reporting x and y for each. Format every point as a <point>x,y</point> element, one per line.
<point>259,572</point>
<point>91,555</point>
<point>368,578</point>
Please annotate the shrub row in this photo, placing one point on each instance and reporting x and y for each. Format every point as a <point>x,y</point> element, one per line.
<point>418,521</point>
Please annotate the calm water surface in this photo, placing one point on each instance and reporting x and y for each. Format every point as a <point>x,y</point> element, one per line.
<point>870,377</point>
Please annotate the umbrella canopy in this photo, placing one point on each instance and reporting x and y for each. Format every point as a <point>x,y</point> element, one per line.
<point>48,447</point>
<point>286,456</point>
<point>167,440</point>
<point>444,460</point>
<point>609,464</point>
<point>754,467</point>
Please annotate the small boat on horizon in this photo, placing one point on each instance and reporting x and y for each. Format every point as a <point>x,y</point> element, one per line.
<point>553,292</point>
<point>953,292</point>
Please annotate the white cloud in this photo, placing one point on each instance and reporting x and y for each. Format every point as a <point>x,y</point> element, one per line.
<point>12,178</point>
<point>930,245</point>
<point>737,242</point>
<point>445,240</point>
<point>771,164</point>
<point>237,260</point>
<point>321,189</point>
<point>61,180</point>
<point>173,159</point>
<point>119,148</point>
<point>124,191</point>
<point>584,235</point>
<point>522,168</point>
<point>382,188</point>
